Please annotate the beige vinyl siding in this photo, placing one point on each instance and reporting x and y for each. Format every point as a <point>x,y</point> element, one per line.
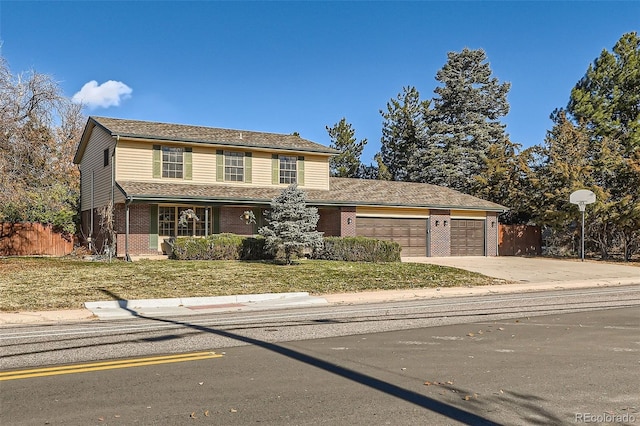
<point>134,161</point>
<point>92,161</point>
<point>468,214</point>
<point>405,212</point>
<point>316,172</point>
<point>204,165</point>
<point>261,167</point>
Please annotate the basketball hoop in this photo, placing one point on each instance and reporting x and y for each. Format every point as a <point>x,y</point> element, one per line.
<point>582,197</point>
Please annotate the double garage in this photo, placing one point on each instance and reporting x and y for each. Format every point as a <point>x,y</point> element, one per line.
<point>467,236</point>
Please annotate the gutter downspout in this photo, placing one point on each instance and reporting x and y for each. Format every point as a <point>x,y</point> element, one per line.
<point>113,172</point>
<point>92,207</point>
<point>113,197</point>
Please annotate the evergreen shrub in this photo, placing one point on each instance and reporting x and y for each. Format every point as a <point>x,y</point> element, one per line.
<point>358,249</point>
<point>218,247</point>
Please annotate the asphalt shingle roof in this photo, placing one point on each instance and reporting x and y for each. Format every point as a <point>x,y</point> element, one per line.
<point>207,135</point>
<point>343,191</point>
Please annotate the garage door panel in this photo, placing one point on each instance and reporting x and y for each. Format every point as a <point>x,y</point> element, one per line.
<point>411,234</point>
<point>467,237</point>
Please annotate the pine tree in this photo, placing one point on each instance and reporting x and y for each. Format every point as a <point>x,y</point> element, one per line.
<point>403,131</point>
<point>291,225</point>
<point>606,101</point>
<point>376,171</point>
<point>607,98</point>
<point>463,123</point>
<point>347,163</point>
<point>505,180</point>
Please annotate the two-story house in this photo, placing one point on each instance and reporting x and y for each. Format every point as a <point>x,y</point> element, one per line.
<point>153,171</point>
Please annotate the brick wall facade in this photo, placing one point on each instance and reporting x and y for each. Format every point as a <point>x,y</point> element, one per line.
<point>139,225</point>
<point>333,222</point>
<point>329,222</point>
<point>348,214</point>
<point>440,233</point>
<point>231,222</point>
<point>491,234</point>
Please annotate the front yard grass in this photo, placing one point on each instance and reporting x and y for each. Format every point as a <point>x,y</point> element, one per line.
<point>32,284</point>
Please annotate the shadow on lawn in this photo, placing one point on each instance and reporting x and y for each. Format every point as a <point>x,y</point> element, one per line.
<point>444,409</point>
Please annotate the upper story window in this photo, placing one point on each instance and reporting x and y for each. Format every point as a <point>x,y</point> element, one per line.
<point>234,166</point>
<point>172,162</point>
<point>288,169</point>
<point>105,157</point>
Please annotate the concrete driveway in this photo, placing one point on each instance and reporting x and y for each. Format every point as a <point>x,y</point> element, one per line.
<point>539,270</point>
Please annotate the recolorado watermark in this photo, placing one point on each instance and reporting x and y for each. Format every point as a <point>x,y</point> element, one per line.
<point>605,418</point>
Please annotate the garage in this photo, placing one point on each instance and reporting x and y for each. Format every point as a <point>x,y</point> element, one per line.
<point>411,234</point>
<point>467,237</point>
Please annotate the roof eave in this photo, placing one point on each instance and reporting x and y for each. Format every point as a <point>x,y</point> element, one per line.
<point>330,203</point>
<point>152,138</point>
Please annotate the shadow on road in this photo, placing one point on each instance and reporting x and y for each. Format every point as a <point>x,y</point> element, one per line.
<point>444,409</point>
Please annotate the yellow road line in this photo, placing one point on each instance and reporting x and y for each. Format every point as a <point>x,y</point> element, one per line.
<point>107,365</point>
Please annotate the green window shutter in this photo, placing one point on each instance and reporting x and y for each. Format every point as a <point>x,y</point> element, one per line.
<point>188,163</point>
<point>219,165</point>
<point>153,227</point>
<point>157,161</point>
<point>216,220</point>
<point>247,167</point>
<point>300,167</point>
<point>275,169</point>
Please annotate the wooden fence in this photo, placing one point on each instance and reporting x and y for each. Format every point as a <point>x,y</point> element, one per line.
<point>519,240</point>
<point>29,239</point>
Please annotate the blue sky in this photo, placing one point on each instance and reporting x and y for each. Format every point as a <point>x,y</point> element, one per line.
<point>299,66</point>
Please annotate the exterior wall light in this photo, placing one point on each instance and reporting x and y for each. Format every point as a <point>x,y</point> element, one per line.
<point>349,221</point>
<point>445,223</point>
<point>437,222</point>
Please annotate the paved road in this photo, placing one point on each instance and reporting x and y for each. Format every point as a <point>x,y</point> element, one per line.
<point>50,344</point>
<point>551,369</point>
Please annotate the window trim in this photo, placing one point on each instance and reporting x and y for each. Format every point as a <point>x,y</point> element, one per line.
<point>174,156</point>
<point>238,156</point>
<point>287,176</point>
<point>158,169</point>
<point>199,228</point>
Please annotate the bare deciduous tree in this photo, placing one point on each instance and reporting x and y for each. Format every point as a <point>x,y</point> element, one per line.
<point>39,130</point>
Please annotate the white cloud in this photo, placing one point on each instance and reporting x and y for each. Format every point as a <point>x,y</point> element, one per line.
<point>109,93</point>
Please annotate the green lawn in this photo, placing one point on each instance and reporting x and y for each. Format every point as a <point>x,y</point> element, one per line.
<point>50,283</point>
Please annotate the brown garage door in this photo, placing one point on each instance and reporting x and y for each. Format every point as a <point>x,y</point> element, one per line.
<point>411,234</point>
<point>467,237</point>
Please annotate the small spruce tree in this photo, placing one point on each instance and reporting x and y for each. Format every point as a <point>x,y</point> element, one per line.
<point>291,225</point>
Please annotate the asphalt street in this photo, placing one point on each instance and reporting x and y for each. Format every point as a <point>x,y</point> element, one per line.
<point>551,369</point>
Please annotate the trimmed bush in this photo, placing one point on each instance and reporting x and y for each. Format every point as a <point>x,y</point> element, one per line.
<point>255,248</point>
<point>358,249</point>
<point>218,247</point>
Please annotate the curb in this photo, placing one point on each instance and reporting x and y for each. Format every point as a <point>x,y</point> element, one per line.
<point>462,291</point>
<point>192,301</point>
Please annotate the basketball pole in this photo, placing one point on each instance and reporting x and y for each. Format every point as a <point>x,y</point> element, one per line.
<point>582,207</point>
